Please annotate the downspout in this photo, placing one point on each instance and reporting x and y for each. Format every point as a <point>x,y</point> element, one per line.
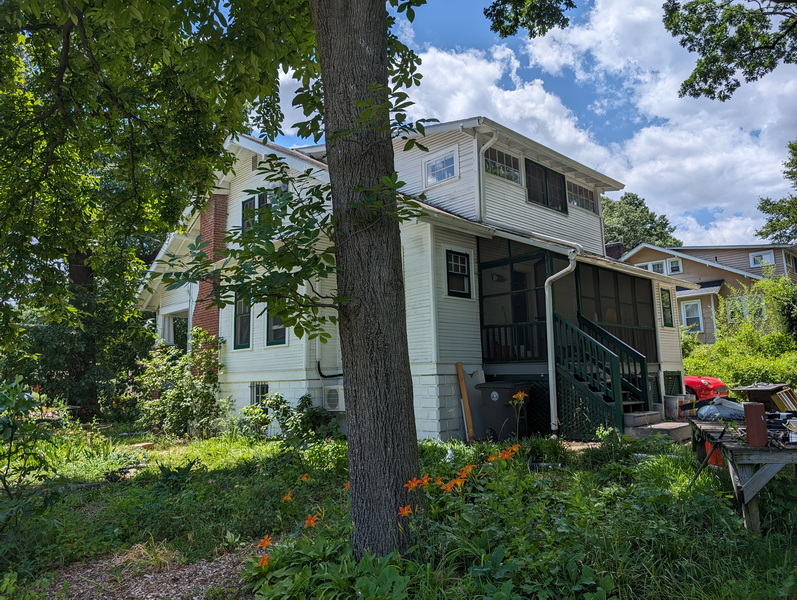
<point>480,175</point>
<point>549,332</point>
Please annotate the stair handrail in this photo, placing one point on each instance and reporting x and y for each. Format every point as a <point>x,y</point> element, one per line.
<point>636,363</point>
<point>584,356</point>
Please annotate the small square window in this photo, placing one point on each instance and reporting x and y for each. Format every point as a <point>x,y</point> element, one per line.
<point>675,266</point>
<point>458,274</point>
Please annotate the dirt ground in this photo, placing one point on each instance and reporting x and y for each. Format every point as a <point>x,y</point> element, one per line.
<point>123,578</point>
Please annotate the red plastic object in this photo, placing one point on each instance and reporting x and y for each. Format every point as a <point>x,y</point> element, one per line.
<point>756,422</point>
<point>716,459</point>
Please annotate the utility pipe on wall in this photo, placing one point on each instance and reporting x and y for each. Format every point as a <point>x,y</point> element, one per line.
<point>549,332</point>
<point>480,168</point>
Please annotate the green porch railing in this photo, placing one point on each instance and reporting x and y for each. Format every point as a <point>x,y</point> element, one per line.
<point>589,362</point>
<point>514,342</point>
<point>581,411</point>
<point>633,364</point>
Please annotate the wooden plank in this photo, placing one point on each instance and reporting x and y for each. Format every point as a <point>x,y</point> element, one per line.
<point>752,520</point>
<point>463,388</point>
<point>756,482</point>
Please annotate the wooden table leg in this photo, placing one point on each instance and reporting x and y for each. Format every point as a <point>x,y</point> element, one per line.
<point>752,519</point>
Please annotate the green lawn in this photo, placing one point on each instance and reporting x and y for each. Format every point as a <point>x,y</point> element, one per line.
<point>616,521</point>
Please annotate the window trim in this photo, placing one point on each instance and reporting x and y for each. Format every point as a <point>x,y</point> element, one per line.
<point>270,328</point>
<point>677,261</point>
<point>468,275</point>
<point>770,258</point>
<point>454,152</point>
<point>699,304</point>
<point>236,317</point>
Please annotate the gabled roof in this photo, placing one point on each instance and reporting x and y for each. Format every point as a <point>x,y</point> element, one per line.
<point>513,139</point>
<point>674,253</point>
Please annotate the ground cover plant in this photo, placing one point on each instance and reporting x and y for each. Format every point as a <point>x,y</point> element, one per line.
<point>523,520</point>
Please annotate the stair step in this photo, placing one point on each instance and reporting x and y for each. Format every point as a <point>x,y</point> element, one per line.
<point>640,418</point>
<point>677,430</point>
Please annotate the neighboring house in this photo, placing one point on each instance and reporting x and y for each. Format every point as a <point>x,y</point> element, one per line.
<point>503,215</point>
<point>721,272</point>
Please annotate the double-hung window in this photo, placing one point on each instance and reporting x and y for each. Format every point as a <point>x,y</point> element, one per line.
<point>458,274</point>
<point>692,315</point>
<point>759,259</point>
<point>545,186</point>
<point>242,321</point>
<point>275,331</point>
<point>249,207</point>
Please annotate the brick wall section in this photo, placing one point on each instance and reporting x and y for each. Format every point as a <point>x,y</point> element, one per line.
<point>212,227</point>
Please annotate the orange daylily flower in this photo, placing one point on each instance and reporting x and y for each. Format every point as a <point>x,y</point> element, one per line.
<point>263,561</point>
<point>288,497</point>
<point>265,542</point>
<point>413,483</point>
<point>438,480</point>
<point>311,520</point>
<point>520,396</point>
<point>514,447</point>
<point>452,484</point>
<point>507,454</point>
<point>492,458</point>
<point>303,477</point>
<point>405,511</point>
<point>346,485</point>
<point>465,471</point>
<point>426,479</point>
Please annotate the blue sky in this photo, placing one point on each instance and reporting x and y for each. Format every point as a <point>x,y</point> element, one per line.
<point>605,92</point>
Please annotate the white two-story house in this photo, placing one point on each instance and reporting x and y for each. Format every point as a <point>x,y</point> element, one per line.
<point>505,273</point>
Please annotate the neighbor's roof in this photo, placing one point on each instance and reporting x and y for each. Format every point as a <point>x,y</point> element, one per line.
<point>683,255</point>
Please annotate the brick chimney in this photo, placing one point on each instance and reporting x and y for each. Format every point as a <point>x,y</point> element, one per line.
<point>614,250</point>
<point>212,228</point>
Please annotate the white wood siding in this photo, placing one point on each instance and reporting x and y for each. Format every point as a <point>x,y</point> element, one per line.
<point>458,320</point>
<point>669,337</point>
<point>506,205</point>
<point>459,196</point>
<point>418,286</point>
<point>177,300</point>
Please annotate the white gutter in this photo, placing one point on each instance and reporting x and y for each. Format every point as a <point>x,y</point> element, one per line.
<point>549,333</point>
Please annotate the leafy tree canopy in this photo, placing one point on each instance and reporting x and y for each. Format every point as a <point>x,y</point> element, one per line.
<point>631,221</point>
<point>781,225</point>
<point>733,40</point>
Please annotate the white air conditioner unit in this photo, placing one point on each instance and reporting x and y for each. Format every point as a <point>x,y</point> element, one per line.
<point>333,398</point>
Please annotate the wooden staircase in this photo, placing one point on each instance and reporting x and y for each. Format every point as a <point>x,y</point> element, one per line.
<point>603,381</point>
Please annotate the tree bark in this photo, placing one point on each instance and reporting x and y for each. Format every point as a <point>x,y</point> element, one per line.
<point>383,449</point>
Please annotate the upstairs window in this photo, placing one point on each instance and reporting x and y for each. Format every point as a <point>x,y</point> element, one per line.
<point>671,266</point>
<point>545,186</point>
<point>248,206</point>
<point>502,164</point>
<point>581,196</point>
<point>458,274</point>
<point>242,320</point>
<point>674,265</point>
<point>759,259</point>
<point>440,168</point>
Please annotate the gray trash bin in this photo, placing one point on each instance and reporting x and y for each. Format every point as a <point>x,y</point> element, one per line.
<point>497,415</point>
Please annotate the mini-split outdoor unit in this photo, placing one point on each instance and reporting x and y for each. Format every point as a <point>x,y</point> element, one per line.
<point>333,398</point>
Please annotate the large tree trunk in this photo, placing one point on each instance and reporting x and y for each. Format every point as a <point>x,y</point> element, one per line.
<point>383,450</point>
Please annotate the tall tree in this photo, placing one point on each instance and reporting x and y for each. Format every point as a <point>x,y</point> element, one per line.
<point>733,40</point>
<point>629,220</point>
<point>781,225</point>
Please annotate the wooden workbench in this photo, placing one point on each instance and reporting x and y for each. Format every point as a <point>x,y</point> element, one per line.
<point>750,468</point>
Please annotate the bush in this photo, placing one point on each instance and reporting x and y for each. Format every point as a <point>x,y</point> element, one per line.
<point>304,422</point>
<point>178,392</point>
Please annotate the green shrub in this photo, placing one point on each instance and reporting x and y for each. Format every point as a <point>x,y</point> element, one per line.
<point>178,392</point>
<point>304,422</point>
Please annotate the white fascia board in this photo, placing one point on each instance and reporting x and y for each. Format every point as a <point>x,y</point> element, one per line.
<point>683,256</point>
<point>294,159</point>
